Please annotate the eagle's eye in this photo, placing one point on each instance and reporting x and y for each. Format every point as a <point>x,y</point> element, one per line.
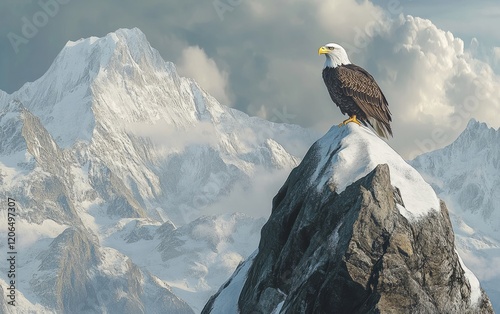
<point>331,48</point>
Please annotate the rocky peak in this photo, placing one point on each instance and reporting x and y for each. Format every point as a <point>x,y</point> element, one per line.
<point>77,276</point>
<point>350,233</point>
<point>477,137</point>
<point>104,83</point>
<point>110,137</point>
<point>466,173</point>
<point>82,60</point>
<point>11,128</point>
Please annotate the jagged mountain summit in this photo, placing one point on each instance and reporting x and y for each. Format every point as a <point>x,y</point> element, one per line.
<point>466,174</point>
<point>120,167</point>
<point>354,229</point>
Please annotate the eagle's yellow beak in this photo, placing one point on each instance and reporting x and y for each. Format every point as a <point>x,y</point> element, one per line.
<point>323,50</point>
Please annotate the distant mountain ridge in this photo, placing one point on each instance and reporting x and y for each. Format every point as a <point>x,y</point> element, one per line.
<point>114,148</point>
<point>466,174</point>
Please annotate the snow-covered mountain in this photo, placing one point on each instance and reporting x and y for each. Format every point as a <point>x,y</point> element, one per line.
<point>121,169</point>
<point>354,229</point>
<point>466,174</point>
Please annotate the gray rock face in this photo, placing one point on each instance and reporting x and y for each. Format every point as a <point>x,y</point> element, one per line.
<point>466,174</point>
<point>75,277</point>
<point>354,252</point>
<point>354,229</point>
<point>68,288</point>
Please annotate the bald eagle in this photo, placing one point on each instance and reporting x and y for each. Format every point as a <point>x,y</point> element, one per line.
<point>355,91</point>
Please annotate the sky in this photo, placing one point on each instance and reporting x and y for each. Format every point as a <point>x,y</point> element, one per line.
<point>437,62</point>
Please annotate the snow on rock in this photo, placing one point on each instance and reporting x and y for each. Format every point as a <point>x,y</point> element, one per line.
<point>475,293</point>
<point>112,140</point>
<point>22,304</point>
<point>466,174</point>
<point>354,229</point>
<point>2,95</point>
<point>351,152</point>
<point>226,300</point>
<point>206,252</point>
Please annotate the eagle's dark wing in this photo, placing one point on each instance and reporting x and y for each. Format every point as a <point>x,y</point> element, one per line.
<point>361,86</point>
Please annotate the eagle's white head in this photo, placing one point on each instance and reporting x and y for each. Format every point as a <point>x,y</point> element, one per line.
<point>335,55</point>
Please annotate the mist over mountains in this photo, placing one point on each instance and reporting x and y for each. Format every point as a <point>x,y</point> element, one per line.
<point>117,165</point>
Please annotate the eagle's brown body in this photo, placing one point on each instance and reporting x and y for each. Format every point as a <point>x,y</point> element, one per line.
<point>355,91</point>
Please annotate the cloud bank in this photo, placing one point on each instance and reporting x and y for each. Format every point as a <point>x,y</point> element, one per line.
<point>194,63</point>
<point>262,59</point>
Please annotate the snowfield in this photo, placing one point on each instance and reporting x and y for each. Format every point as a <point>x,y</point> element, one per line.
<point>163,185</point>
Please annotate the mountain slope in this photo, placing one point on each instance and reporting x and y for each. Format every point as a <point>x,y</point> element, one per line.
<point>466,174</point>
<point>349,235</point>
<point>112,138</point>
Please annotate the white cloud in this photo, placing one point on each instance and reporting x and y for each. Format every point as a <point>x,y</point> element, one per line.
<point>195,63</point>
<point>257,193</point>
<point>349,21</point>
<point>174,138</point>
<point>270,59</point>
<point>434,86</point>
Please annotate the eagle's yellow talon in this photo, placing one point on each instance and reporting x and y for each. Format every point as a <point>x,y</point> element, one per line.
<point>351,119</point>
